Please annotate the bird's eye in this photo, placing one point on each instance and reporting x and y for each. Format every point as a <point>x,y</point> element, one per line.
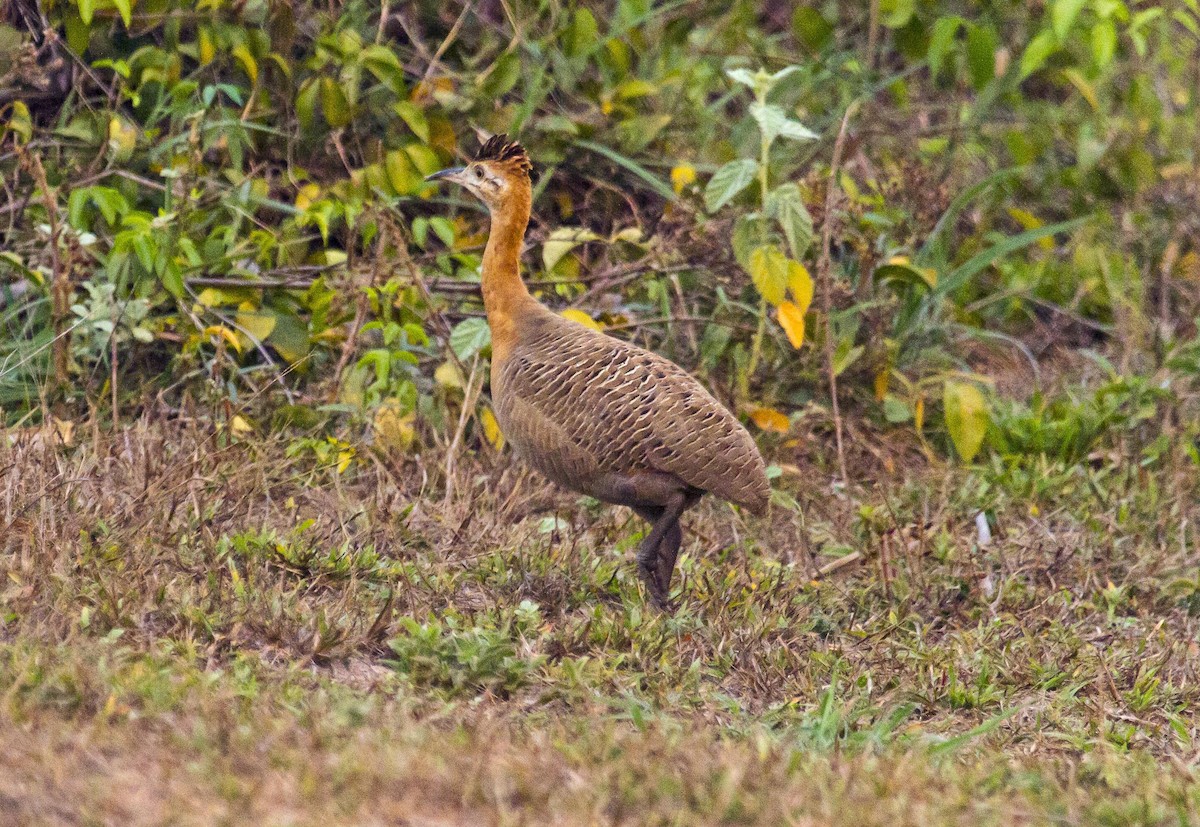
<point>478,172</point>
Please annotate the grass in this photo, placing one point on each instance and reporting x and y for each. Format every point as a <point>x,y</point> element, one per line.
<point>199,630</point>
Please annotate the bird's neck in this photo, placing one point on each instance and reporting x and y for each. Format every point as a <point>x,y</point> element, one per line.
<point>505,295</point>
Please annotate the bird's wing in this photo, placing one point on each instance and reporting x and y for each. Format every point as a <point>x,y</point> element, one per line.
<point>624,409</point>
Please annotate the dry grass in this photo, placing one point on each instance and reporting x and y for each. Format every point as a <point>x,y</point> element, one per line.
<point>199,630</point>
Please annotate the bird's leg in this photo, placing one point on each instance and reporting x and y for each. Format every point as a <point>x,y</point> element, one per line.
<point>668,550</point>
<point>648,557</point>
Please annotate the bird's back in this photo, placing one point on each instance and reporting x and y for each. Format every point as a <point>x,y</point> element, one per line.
<point>580,405</point>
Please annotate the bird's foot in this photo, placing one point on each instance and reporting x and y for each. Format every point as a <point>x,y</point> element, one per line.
<point>658,593</point>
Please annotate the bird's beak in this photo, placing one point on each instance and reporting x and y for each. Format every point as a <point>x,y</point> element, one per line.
<point>451,175</point>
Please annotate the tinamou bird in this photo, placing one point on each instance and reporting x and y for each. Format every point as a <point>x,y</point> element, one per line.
<point>591,412</point>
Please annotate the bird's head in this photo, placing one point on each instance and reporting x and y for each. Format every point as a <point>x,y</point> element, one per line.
<point>499,172</point>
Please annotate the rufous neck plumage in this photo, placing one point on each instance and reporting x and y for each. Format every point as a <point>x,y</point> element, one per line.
<point>504,293</point>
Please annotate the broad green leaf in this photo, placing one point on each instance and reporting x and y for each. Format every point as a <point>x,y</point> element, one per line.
<point>123,8</point>
<point>562,241</point>
<point>469,337</point>
<point>1104,42</point>
<point>786,205</point>
<point>87,8</point>
<point>583,35</point>
<point>1062,16</point>
<point>501,76</point>
<point>751,230</point>
<point>897,13</point>
<point>811,28</point>
<point>981,55</point>
<point>728,181</point>
<point>1037,52</point>
<point>334,104</point>
<point>966,417</point>
<point>257,323</point>
<point>384,65</point>
<point>774,123</point>
<point>306,102</point>
<point>941,41</point>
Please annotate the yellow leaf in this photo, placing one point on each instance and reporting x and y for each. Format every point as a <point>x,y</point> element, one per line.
<point>344,459</point>
<point>491,428</point>
<point>1031,222</point>
<point>225,333</point>
<point>966,417</point>
<point>393,429</point>
<point>257,323</point>
<point>791,319</point>
<point>881,383</point>
<point>122,138</point>
<point>801,284</point>
<point>583,318</point>
<point>770,419</point>
<point>770,271</point>
<point>919,414</point>
<point>64,429</point>
<point>239,425</point>
<point>208,49</point>
<point>448,375</point>
<point>249,64</point>
<point>683,175</point>
<point>307,194</point>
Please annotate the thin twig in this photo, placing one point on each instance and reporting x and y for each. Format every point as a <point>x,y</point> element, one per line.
<point>825,279</point>
<point>451,36</point>
<point>470,397</point>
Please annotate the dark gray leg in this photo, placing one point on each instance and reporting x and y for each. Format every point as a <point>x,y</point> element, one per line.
<point>665,524</point>
<point>668,550</point>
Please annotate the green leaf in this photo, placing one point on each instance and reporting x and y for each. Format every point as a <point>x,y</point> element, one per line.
<point>750,231</point>
<point>469,337</point>
<point>384,65</point>
<point>786,205</point>
<point>1037,52</point>
<point>769,270</point>
<point>172,279</point>
<point>981,55</point>
<point>124,10</point>
<point>897,13</point>
<point>728,181</point>
<point>1104,42</point>
<point>306,102</point>
<point>966,417</point>
<point>774,123</point>
<point>941,41</point>
<point>562,241</point>
<point>633,166</point>
<point>983,260</point>
<point>334,104</point>
<point>501,76</point>
<point>86,9</point>
<point>1062,16</point>
<point>414,118</point>
<point>583,35</point>
<point>811,28</point>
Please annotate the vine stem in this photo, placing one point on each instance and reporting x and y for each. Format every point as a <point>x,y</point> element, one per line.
<point>825,279</point>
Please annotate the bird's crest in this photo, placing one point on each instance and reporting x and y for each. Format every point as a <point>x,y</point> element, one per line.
<point>499,148</point>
